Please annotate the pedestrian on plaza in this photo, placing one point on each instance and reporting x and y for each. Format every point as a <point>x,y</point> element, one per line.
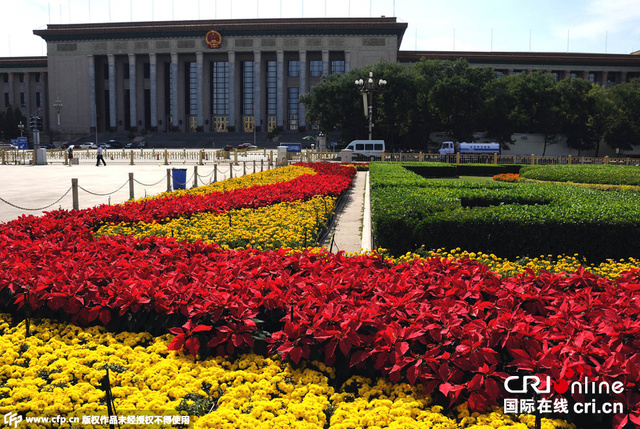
<point>100,158</point>
<point>70,154</point>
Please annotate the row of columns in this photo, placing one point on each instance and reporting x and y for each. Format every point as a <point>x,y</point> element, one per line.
<point>231,58</point>
<point>29,109</point>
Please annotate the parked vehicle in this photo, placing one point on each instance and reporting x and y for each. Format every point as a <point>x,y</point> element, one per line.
<point>87,145</point>
<point>115,144</point>
<point>449,148</point>
<point>247,146</point>
<point>371,149</point>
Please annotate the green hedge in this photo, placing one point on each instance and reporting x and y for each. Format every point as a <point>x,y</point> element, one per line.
<point>598,174</point>
<point>450,170</point>
<point>507,219</point>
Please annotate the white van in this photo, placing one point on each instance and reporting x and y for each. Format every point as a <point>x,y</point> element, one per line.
<point>370,149</point>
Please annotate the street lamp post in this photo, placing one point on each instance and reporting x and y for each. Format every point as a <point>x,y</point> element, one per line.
<point>367,88</point>
<point>21,128</point>
<point>57,104</point>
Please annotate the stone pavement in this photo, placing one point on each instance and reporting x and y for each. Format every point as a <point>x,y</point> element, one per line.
<point>34,189</point>
<point>352,226</point>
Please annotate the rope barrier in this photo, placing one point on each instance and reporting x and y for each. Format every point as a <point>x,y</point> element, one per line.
<point>153,184</point>
<point>39,208</point>
<point>104,195</point>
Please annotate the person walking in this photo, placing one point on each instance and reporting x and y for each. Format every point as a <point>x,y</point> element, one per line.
<point>70,155</point>
<point>100,158</point>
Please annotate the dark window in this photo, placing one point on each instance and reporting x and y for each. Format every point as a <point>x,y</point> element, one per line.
<point>272,82</point>
<point>125,70</point>
<point>293,94</point>
<point>359,146</point>
<point>147,108</point>
<point>127,109</point>
<point>23,100</point>
<point>192,88</point>
<point>247,87</point>
<point>105,70</point>
<point>37,77</point>
<point>378,146</point>
<point>5,77</point>
<point>147,71</point>
<point>21,77</point>
<point>315,68</point>
<point>220,88</point>
<point>38,99</point>
<point>6,99</point>
<point>294,68</point>
<point>337,67</point>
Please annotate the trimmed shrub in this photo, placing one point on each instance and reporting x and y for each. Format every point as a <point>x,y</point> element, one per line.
<point>507,219</point>
<point>597,174</point>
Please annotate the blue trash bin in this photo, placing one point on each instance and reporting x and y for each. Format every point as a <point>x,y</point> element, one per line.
<point>179,176</point>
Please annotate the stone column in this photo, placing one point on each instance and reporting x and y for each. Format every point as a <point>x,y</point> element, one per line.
<point>27,94</point>
<point>303,85</point>
<point>92,94</point>
<point>257,85</point>
<point>113,117</point>
<point>280,95</point>
<point>174,89</point>
<point>133,97</point>
<point>153,89</point>
<point>232,88</point>
<point>347,61</point>
<point>325,62</point>
<point>200,100</point>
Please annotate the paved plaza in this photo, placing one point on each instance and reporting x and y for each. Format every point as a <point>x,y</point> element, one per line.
<point>35,189</point>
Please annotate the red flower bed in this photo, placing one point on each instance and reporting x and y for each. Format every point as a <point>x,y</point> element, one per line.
<point>453,326</point>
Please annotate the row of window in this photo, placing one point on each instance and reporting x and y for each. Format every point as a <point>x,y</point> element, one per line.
<point>23,99</point>
<point>315,69</point>
<point>21,77</point>
<point>593,77</point>
<point>220,93</point>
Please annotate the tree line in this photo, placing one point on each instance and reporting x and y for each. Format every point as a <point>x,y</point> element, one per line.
<point>455,98</point>
<point>10,120</point>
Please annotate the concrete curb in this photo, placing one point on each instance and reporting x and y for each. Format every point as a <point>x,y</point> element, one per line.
<point>367,238</point>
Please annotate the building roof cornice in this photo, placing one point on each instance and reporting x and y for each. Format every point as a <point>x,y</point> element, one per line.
<point>524,58</point>
<point>227,28</point>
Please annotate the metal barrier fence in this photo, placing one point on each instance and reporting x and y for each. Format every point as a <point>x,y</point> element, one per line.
<point>208,156</point>
<point>139,156</point>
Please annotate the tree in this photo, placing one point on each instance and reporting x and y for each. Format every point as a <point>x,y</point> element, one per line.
<point>457,99</point>
<point>577,108</point>
<point>9,121</point>
<point>336,103</point>
<point>536,107</point>
<point>624,129</point>
<point>496,118</point>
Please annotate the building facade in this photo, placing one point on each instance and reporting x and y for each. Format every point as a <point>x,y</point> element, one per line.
<point>204,75</point>
<point>229,75</point>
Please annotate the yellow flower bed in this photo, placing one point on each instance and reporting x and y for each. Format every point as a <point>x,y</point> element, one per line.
<point>268,177</point>
<point>554,264</point>
<point>57,371</point>
<point>291,225</point>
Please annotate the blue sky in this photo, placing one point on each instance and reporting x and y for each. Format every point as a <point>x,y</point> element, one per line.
<point>594,26</point>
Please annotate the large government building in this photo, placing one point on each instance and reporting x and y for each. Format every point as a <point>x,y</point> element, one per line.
<point>228,75</point>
